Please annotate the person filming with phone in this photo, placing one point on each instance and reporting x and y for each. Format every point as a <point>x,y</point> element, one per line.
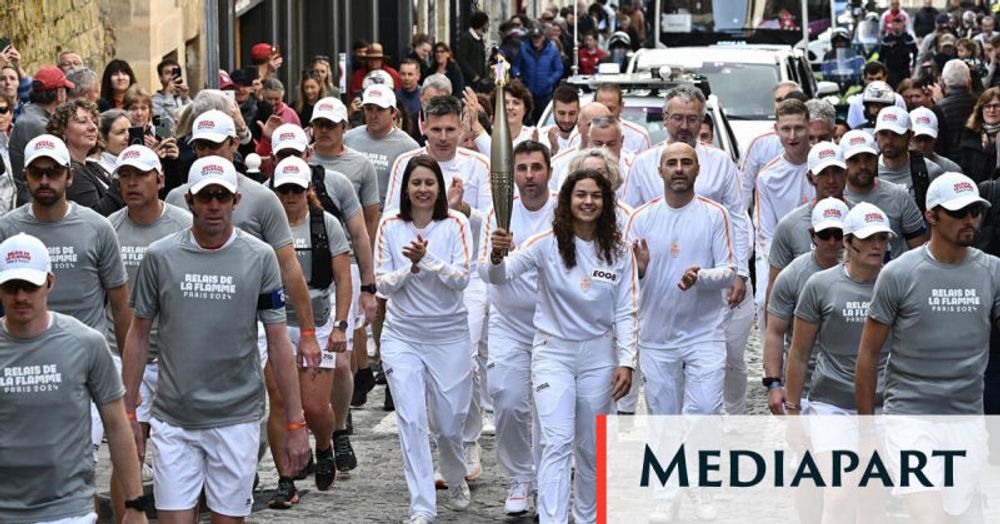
<point>168,101</point>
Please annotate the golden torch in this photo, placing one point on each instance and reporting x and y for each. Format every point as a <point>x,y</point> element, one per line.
<point>502,151</point>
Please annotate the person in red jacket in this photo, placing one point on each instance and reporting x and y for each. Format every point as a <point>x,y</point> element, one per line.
<point>374,59</point>
<point>590,55</point>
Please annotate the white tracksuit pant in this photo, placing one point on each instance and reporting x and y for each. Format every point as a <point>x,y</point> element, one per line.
<point>476,300</point>
<point>684,380</point>
<point>428,379</point>
<point>738,323</point>
<point>572,385</point>
<point>509,378</point>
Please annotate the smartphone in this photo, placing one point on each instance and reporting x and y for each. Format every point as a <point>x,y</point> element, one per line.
<point>136,136</point>
<point>4,43</point>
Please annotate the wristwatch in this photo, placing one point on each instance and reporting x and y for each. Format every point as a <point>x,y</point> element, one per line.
<point>341,324</point>
<point>140,503</point>
<point>772,382</point>
<point>369,288</point>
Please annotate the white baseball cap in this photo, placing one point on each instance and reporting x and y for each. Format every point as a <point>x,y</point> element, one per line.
<point>212,170</point>
<point>24,257</point>
<point>893,118</point>
<point>829,213</point>
<point>289,136</point>
<point>857,141</point>
<point>139,157</point>
<point>380,95</point>
<point>214,126</point>
<point>292,170</point>
<point>924,121</point>
<point>953,191</point>
<point>864,220</point>
<point>330,108</point>
<point>823,155</point>
<point>48,146</point>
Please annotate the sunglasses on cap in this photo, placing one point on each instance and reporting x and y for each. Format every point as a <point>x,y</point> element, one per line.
<point>975,210</point>
<point>13,286</point>
<point>290,188</point>
<point>205,197</point>
<point>827,234</point>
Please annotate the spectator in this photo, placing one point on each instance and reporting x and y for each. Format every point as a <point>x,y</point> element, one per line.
<point>6,125</point>
<point>444,64</point>
<point>540,68</point>
<point>87,88</point>
<point>968,51</point>
<point>243,82</point>
<point>15,86</point>
<point>374,60</point>
<point>75,122</point>
<point>69,60</point>
<point>321,63</point>
<point>267,59</point>
<point>923,20</point>
<point>139,106</point>
<point>408,95</point>
<point>987,30</point>
<point>625,26</point>
<point>168,101</point>
<point>471,54</point>
<point>113,127</point>
<point>991,56</point>
<point>898,50</point>
<point>953,109</point>
<point>978,142</point>
<point>421,46</point>
<point>929,43</point>
<point>117,78</point>
<point>590,54</point>
<point>274,95</point>
<point>914,94</point>
<point>48,90</point>
<point>892,14</point>
<point>511,37</point>
<point>310,91</point>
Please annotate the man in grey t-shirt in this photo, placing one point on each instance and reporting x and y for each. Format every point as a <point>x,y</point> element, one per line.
<point>939,302</point>
<point>52,367</point>
<point>908,228</point>
<point>892,132</point>
<point>210,395</point>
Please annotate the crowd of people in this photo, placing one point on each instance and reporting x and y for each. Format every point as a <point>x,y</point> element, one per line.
<point>202,273</point>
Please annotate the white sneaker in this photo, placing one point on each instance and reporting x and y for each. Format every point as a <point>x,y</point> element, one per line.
<point>439,482</point>
<point>517,499</point>
<point>461,497</point>
<point>704,509</point>
<point>419,519</point>
<point>473,468</point>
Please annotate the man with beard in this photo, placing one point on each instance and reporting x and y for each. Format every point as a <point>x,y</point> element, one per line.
<point>897,163</point>
<point>907,225</point>
<point>565,110</point>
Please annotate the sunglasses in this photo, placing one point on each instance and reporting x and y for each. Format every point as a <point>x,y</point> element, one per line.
<point>13,286</point>
<point>4,110</point>
<point>205,197</point>
<point>37,174</point>
<point>322,123</point>
<point>975,210</point>
<point>205,144</point>
<point>290,188</point>
<point>827,234</point>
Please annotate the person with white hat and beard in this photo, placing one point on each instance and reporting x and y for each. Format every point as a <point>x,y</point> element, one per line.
<point>897,163</point>
<point>925,133</point>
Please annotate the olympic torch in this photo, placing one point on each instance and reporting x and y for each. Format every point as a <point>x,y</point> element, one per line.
<point>502,152</point>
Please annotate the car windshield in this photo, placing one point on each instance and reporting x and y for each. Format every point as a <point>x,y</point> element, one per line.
<point>743,89</point>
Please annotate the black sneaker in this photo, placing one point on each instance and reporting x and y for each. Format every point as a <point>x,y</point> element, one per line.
<point>325,469</point>
<point>364,382</point>
<point>388,405</point>
<point>346,460</point>
<point>309,469</point>
<point>285,496</point>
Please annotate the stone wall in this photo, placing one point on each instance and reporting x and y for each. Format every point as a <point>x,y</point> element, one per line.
<point>40,29</point>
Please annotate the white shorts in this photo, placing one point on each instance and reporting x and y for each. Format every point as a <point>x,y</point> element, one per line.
<point>959,433</point>
<point>831,427</point>
<point>147,392</point>
<point>329,360</point>
<point>220,460</point>
<point>89,518</point>
<point>355,317</point>
<point>96,425</point>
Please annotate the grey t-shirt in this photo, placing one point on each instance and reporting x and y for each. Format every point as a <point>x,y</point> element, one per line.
<point>897,204</point>
<point>946,164</point>
<point>791,236</point>
<point>208,307</point>
<point>302,236</point>
<point>941,316</point>
<point>358,169</point>
<point>85,259</point>
<point>381,152</point>
<point>258,213</point>
<point>133,239</point>
<point>838,305</point>
<point>784,297</point>
<point>46,386</point>
<point>901,175</point>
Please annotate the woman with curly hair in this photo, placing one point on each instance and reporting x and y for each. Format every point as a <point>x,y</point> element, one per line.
<point>115,81</point>
<point>586,334</point>
<point>76,122</point>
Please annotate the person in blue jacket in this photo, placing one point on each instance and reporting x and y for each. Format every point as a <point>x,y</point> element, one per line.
<point>540,67</point>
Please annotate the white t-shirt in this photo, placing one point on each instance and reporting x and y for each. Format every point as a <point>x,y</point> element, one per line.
<point>781,187</point>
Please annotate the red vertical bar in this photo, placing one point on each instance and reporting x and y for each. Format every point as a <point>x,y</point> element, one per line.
<point>602,469</point>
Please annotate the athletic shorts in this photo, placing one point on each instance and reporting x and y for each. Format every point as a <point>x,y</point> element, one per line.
<point>89,518</point>
<point>96,424</point>
<point>222,461</point>
<point>831,427</point>
<point>322,334</point>
<point>147,392</point>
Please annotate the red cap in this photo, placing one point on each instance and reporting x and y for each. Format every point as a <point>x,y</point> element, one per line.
<point>51,77</point>
<point>262,51</point>
<point>225,81</point>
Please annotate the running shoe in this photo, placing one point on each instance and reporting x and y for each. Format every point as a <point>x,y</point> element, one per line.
<point>419,519</point>
<point>473,467</point>
<point>364,382</point>
<point>439,481</point>
<point>517,499</point>
<point>461,497</point>
<point>285,496</point>
<point>344,452</point>
<point>388,405</point>
<point>309,469</point>
<point>326,469</point>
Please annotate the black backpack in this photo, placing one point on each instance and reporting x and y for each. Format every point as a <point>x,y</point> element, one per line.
<point>921,179</point>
